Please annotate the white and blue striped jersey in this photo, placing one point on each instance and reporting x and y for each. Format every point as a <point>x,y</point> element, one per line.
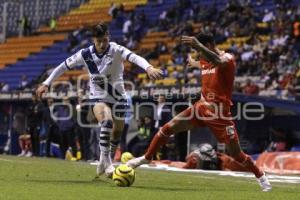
<point>105,70</point>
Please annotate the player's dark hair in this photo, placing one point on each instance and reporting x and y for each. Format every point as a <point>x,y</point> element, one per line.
<point>99,30</point>
<point>206,37</point>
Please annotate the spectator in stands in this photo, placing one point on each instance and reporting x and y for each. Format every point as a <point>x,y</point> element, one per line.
<point>162,22</point>
<point>157,2</point>
<point>82,132</point>
<point>139,143</point>
<point>23,82</point>
<point>127,26</point>
<point>120,16</point>
<point>66,125</point>
<point>53,138</point>
<point>163,112</point>
<point>78,39</point>
<point>19,120</point>
<point>148,82</point>
<point>159,49</point>
<point>113,10</point>
<point>250,88</point>
<point>34,115</point>
<point>237,87</point>
<point>25,145</point>
<point>4,87</point>
<point>269,16</point>
<point>93,148</point>
<point>25,26</point>
<point>52,24</point>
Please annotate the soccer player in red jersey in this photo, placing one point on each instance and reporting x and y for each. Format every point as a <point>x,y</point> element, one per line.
<point>212,110</point>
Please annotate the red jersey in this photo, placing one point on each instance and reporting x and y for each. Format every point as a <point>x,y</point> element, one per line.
<point>217,82</point>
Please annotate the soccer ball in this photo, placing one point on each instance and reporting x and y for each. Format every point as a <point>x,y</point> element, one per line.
<point>123,176</point>
<point>126,156</point>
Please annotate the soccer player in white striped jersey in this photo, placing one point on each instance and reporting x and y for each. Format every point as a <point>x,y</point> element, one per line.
<point>104,61</point>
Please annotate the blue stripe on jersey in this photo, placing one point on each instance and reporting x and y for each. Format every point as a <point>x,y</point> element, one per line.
<point>67,65</point>
<point>127,57</point>
<point>87,56</point>
<point>112,91</point>
<point>115,93</point>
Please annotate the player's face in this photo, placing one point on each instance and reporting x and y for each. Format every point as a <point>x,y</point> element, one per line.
<point>209,46</point>
<point>101,43</point>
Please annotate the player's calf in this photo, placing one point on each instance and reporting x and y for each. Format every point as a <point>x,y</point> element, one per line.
<point>105,164</point>
<point>249,164</point>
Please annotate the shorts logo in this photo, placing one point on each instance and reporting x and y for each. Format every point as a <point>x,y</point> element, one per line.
<point>230,131</point>
<point>210,96</point>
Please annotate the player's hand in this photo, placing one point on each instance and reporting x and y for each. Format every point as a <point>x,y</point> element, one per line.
<point>190,61</point>
<point>41,90</point>
<point>154,73</point>
<point>191,41</point>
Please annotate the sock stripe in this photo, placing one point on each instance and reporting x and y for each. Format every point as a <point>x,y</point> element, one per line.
<point>104,144</point>
<point>104,133</point>
<point>106,138</point>
<point>105,129</point>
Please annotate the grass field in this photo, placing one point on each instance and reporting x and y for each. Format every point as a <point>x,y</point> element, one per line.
<point>41,178</point>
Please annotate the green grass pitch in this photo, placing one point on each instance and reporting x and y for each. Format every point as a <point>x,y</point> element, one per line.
<point>42,179</point>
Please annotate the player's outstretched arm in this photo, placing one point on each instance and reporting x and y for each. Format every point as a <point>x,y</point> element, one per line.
<point>152,72</point>
<point>71,62</point>
<point>43,88</point>
<point>207,53</point>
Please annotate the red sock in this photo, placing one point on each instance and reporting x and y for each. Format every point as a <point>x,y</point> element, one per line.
<point>160,139</point>
<point>249,164</point>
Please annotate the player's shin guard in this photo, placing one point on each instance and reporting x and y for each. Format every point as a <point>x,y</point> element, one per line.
<point>160,138</point>
<point>105,132</point>
<point>248,163</point>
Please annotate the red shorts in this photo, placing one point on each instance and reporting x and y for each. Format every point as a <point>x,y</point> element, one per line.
<point>203,114</point>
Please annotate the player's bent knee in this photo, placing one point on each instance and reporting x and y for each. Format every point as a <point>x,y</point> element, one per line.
<point>166,130</point>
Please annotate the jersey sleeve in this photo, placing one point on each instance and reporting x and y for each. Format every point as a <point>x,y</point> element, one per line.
<point>229,58</point>
<point>128,55</point>
<point>57,72</point>
<point>71,62</point>
<point>74,60</point>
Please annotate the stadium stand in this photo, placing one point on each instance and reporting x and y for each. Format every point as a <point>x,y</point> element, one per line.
<point>239,39</point>
<point>89,13</point>
<point>41,14</point>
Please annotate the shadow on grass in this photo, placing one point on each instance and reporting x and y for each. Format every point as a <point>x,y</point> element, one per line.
<point>166,188</point>
<point>203,189</point>
<point>92,181</point>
